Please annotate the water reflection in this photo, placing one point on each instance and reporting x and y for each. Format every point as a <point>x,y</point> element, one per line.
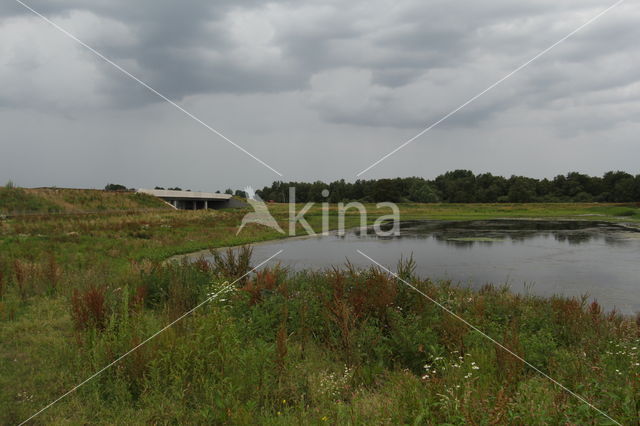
<point>464,234</point>
<point>552,257</point>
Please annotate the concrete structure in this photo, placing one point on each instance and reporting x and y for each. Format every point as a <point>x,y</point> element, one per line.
<point>192,200</point>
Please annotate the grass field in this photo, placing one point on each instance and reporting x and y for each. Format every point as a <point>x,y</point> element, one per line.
<point>33,201</point>
<point>76,292</point>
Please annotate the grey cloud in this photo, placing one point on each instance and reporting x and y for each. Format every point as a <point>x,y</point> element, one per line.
<point>286,78</point>
<point>189,49</point>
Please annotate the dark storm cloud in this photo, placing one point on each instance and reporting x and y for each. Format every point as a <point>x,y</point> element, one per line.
<point>183,49</point>
<point>306,83</point>
<point>202,47</point>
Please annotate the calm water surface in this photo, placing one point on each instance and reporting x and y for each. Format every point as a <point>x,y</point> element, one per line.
<point>544,257</point>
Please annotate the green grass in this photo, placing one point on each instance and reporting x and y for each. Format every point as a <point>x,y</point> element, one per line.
<point>14,200</point>
<point>20,200</point>
<point>608,212</point>
<point>314,347</point>
<point>631,212</point>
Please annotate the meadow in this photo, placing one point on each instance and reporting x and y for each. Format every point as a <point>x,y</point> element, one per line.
<point>313,347</point>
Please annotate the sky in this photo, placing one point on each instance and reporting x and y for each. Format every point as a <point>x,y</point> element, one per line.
<point>318,90</point>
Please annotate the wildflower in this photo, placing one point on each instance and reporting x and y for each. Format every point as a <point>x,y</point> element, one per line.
<point>324,418</point>
<point>425,377</point>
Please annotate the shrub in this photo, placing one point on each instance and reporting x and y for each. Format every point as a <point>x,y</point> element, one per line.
<point>233,263</point>
<point>89,308</point>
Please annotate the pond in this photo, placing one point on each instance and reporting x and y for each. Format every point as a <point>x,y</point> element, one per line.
<point>570,258</point>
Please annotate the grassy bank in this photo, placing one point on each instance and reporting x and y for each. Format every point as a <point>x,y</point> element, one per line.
<point>352,346</point>
<point>30,201</point>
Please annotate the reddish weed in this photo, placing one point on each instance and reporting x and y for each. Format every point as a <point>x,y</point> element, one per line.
<point>265,280</point>
<point>52,272</point>
<point>89,308</point>
<point>19,271</point>
<point>510,367</point>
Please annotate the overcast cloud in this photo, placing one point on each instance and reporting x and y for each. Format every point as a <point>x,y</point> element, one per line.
<point>317,89</point>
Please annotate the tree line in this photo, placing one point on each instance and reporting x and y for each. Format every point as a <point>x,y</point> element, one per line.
<point>463,186</point>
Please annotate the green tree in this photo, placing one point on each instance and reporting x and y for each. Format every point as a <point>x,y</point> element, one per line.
<point>115,187</point>
<point>422,192</point>
<point>521,190</point>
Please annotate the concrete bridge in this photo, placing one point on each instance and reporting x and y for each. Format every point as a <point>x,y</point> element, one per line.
<point>192,200</point>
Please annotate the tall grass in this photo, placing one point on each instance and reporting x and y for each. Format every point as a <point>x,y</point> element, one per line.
<point>350,346</point>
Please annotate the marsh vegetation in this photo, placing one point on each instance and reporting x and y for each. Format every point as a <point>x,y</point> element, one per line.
<point>344,345</point>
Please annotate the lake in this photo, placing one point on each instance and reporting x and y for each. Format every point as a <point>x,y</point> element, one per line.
<point>568,258</point>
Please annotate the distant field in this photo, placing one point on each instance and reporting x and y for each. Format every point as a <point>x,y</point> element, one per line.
<point>444,211</point>
<point>64,200</point>
<point>596,211</point>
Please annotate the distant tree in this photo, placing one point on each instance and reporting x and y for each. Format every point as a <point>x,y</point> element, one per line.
<point>338,191</point>
<point>115,187</point>
<point>217,192</point>
<point>240,194</point>
<point>583,197</point>
<point>315,191</point>
<point>159,187</point>
<point>228,191</point>
<point>422,192</point>
<point>385,190</point>
<point>521,190</point>
<point>177,188</point>
<point>458,186</point>
<point>624,189</point>
<point>462,186</point>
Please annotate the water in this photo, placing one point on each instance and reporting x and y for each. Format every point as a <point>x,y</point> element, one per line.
<point>570,258</point>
